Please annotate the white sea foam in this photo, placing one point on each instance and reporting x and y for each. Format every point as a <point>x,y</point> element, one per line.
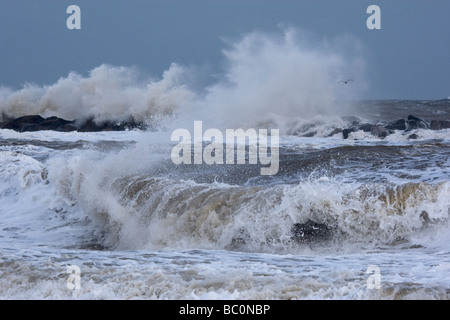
<point>206,274</point>
<point>280,80</point>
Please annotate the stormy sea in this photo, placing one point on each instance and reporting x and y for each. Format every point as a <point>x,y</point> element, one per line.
<point>358,207</point>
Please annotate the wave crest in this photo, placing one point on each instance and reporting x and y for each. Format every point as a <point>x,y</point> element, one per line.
<point>145,212</point>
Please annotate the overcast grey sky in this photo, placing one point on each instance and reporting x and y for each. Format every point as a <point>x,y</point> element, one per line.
<point>408,58</point>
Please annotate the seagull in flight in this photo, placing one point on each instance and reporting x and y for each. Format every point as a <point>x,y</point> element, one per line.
<point>346,81</point>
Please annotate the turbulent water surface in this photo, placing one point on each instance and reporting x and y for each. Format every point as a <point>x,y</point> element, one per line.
<point>138,226</point>
<point>359,218</point>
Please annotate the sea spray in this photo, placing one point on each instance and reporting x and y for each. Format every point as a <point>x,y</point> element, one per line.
<point>108,94</point>
<point>145,209</point>
<point>279,78</point>
<point>272,80</point>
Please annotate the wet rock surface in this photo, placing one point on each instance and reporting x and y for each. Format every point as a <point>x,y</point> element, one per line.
<point>37,123</point>
<point>310,232</point>
<point>383,130</point>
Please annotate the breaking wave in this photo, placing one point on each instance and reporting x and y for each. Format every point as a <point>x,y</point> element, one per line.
<point>142,211</point>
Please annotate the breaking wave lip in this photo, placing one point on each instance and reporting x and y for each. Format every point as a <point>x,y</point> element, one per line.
<point>31,210</point>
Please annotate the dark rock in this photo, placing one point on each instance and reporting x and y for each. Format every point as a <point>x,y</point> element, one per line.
<point>19,123</point>
<point>91,126</point>
<point>397,125</point>
<point>30,127</point>
<point>416,123</point>
<point>66,128</point>
<point>346,132</point>
<point>8,124</point>
<point>366,127</point>
<point>53,123</point>
<point>375,130</point>
<point>36,123</point>
<point>335,131</point>
<point>380,132</point>
<point>309,134</point>
<point>413,136</point>
<point>445,124</point>
<point>435,125</point>
<point>311,232</point>
<point>439,124</point>
<point>239,241</point>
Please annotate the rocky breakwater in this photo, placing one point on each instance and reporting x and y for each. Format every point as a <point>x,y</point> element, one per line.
<point>38,123</point>
<point>382,130</point>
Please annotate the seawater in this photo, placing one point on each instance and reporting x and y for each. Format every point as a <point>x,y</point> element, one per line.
<point>140,227</point>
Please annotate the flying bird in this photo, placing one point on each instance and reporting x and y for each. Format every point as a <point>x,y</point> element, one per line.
<point>346,81</point>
